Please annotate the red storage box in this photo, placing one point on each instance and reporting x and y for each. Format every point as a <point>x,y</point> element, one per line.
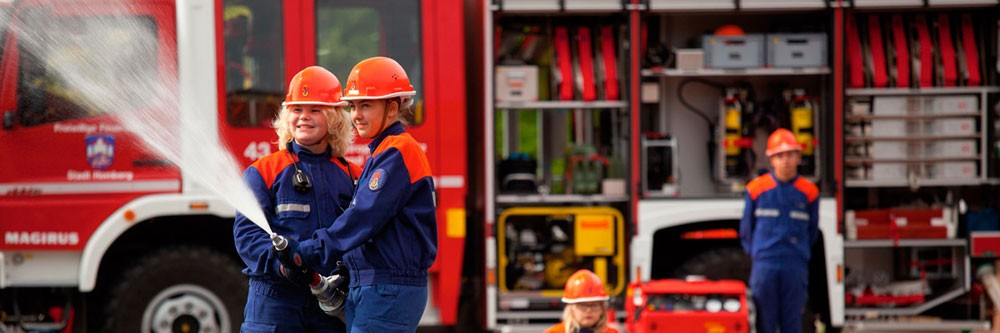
<point>985,244</point>
<point>900,223</point>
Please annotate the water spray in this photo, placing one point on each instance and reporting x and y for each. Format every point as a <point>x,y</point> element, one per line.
<point>125,73</point>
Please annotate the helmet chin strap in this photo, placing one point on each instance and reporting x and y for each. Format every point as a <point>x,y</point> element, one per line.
<point>385,115</point>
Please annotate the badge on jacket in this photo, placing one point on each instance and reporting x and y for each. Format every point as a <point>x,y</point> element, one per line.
<point>376,181</point>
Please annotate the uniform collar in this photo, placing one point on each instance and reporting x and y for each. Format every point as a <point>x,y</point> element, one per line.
<point>395,129</point>
<point>790,181</point>
<point>306,155</point>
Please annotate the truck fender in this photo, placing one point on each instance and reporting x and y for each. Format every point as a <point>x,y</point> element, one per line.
<point>142,209</point>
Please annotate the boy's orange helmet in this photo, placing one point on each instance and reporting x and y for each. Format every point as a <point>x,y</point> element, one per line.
<point>584,286</point>
<point>316,86</point>
<point>378,78</point>
<point>780,141</point>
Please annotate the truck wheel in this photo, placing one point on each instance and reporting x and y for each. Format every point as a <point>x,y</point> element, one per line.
<point>722,263</point>
<point>178,289</point>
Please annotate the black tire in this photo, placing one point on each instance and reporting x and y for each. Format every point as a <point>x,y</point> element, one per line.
<point>717,264</point>
<point>184,288</point>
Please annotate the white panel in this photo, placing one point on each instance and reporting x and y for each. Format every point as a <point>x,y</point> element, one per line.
<point>41,268</point>
<point>593,5</point>
<point>887,3</point>
<point>529,5</point>
<point>691,4</point>
<point>953,3</point>
<point>782,4</point>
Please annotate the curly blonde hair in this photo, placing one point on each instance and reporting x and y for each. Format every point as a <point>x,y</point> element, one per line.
<point>573,325</point>
<point>339,131</point>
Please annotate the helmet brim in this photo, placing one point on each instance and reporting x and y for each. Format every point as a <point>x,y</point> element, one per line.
<point>341,103</point>
<point>584,299</point>
<point>782,148</point>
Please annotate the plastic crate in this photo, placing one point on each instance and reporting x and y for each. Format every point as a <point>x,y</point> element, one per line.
<point>745,51</point>
<point>796,50</point>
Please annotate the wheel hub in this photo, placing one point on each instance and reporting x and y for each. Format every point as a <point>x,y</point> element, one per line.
<point>185,309</point>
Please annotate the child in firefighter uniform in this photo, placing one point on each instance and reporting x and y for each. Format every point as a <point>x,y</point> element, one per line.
<point>586,305</point>
<point>388,236</point>
<point>302,187</point>
<point>779,225</point>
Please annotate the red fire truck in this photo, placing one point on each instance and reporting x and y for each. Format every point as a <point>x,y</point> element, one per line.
<point>101,231</point>
<point>563,134</point>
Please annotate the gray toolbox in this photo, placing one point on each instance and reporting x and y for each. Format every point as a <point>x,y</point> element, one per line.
<point>796,50</point>
<point>745,51</point>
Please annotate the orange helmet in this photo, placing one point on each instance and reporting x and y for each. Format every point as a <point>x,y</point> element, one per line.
<point>584,286</point>
<point>314,85</point>
<point>782,140</point>
<point>729,30</point>
<point>378,78</point>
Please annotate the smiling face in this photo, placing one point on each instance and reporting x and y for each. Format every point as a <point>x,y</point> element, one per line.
<point>309,126</point>
<point>371,116</point>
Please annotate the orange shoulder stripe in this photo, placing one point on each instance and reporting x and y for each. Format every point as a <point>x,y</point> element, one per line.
<point>413,156</point>
<point>760,185</point>
<point>271,165</point>
<point>807,187</point>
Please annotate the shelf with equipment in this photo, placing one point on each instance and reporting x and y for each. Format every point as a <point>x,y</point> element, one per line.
<point>558,118</point>
<point>939,137</point>
<point>751,76</point>
<point>917,143</point>
<point>936,272</point>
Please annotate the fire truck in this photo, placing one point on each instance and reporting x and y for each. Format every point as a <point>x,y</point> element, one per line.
<point>104,231</point>
<point>614,136</point>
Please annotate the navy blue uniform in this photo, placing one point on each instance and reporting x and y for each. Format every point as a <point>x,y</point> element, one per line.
<point>388,236</point>
<point>275,304</point>
<point>779,225</point>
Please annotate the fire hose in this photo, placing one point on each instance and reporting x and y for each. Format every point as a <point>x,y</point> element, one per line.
<point>329,290</point>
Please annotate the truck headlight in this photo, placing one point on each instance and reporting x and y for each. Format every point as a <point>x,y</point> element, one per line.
<point>713,305</point>
<point>731,305</point>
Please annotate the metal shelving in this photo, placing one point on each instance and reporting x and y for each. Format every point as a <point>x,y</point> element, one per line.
<point>562,105</point>
<point>911,138</point>
<point>920,91</point>
<point>559,198</point>
<point>866,243</point>
<point>916,183</point>
<point>672,72</point>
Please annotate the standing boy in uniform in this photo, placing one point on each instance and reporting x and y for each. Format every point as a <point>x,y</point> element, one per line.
<point>779,225</point>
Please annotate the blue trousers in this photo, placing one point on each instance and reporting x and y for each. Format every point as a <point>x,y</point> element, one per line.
<point>279,307</point>
<point>385,308</point>
<point>780,291</point>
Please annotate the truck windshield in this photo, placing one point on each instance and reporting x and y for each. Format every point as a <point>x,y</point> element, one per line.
<point>66,60</point>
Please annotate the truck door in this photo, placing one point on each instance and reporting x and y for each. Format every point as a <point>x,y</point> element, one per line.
<point>67,163</point>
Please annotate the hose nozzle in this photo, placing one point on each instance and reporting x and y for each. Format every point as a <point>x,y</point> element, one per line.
<point>279,242</point>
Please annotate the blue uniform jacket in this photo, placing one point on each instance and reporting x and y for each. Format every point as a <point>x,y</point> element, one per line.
<point>780,220</point>
<point>389,233</point>
<point>292,214</point>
